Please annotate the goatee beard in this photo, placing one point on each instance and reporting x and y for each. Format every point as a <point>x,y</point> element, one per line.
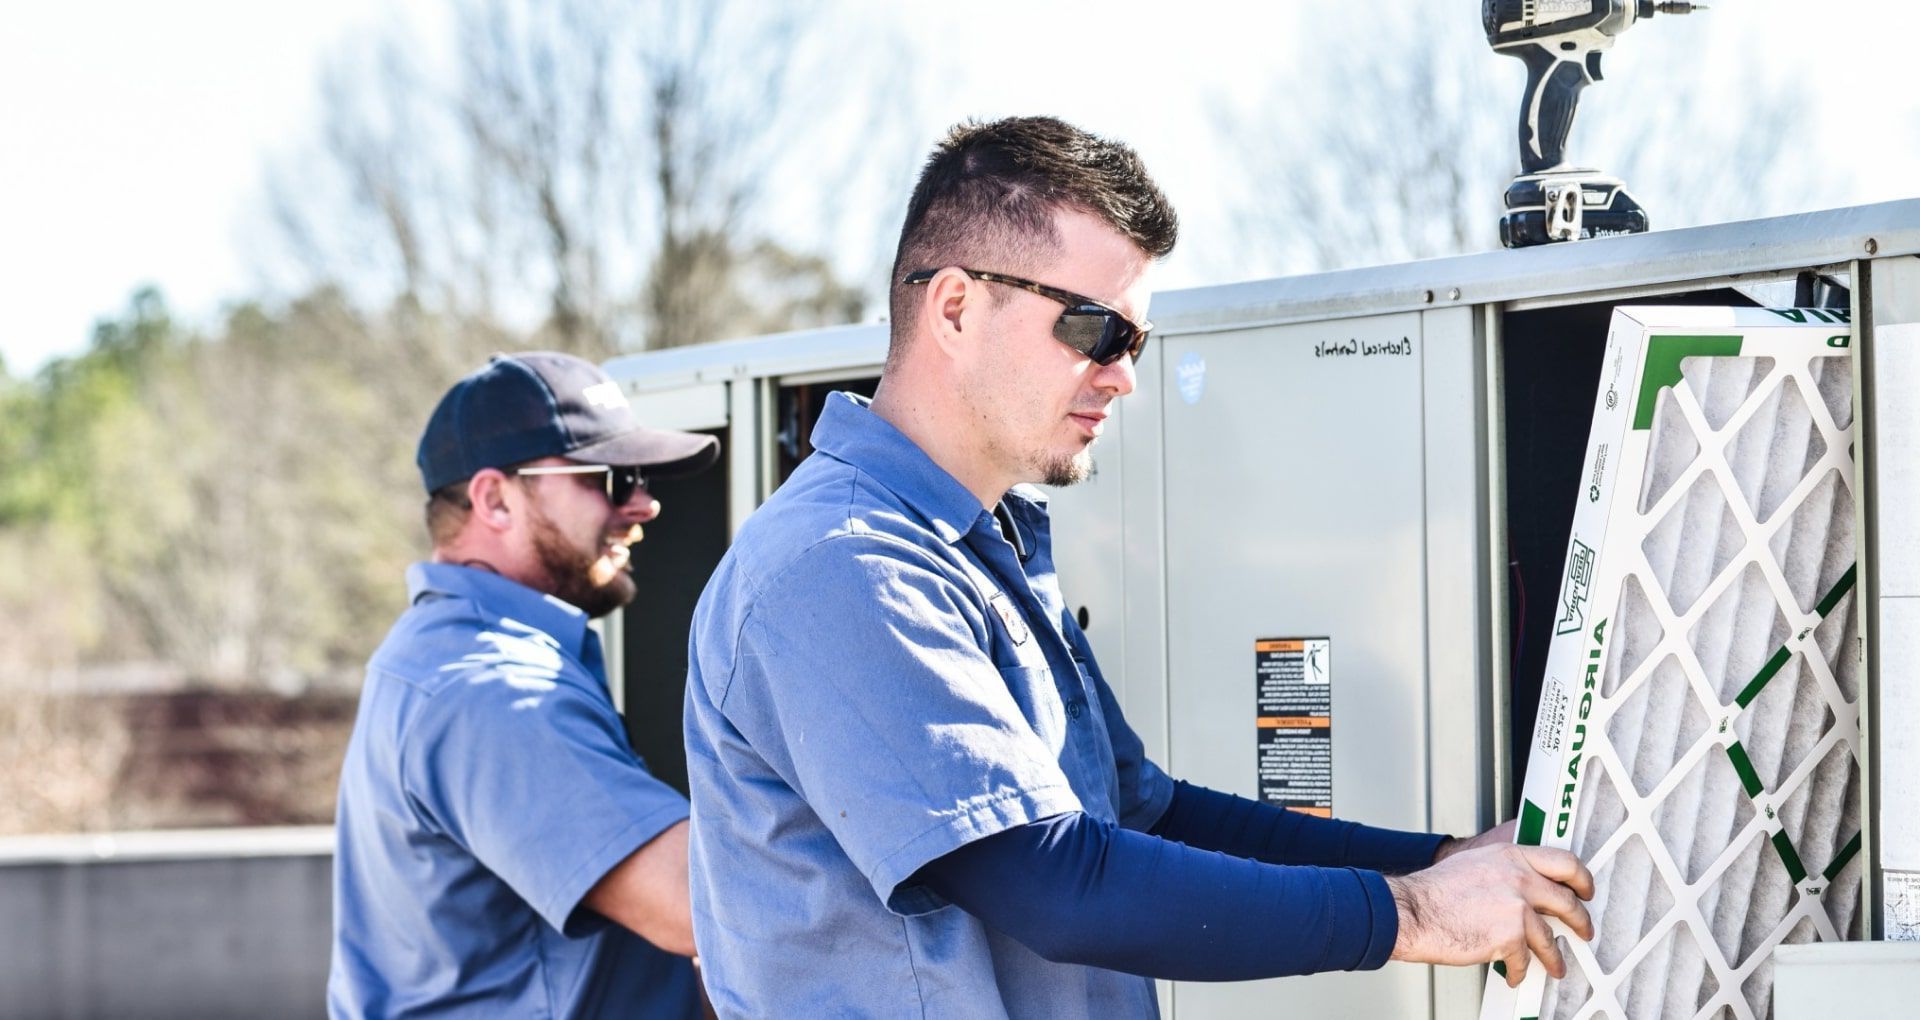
<point>1065,471</point>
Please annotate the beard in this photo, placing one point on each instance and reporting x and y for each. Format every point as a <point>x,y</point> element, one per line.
<point>582,579</point>
<point>1064,471</point>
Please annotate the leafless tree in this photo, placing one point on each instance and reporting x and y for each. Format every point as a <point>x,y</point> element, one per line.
<point>1394,136</point>
<point>604,172</point>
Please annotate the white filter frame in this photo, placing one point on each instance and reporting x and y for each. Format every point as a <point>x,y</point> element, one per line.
<point>1721,447</point>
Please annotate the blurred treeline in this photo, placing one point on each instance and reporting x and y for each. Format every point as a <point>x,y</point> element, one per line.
<point>228,504</point>
<point>199,519</point>
<point>184,511</point>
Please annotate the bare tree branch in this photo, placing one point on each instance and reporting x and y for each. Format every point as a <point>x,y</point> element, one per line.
<point>1394,138</point>
<point>594,170</point>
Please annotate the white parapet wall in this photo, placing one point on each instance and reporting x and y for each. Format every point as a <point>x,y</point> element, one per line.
<point>205,924</point>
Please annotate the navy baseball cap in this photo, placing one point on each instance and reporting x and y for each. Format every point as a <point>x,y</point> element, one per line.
<point>521,407</point>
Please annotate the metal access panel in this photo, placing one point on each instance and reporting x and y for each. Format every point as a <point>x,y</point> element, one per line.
<point>1296,603</point>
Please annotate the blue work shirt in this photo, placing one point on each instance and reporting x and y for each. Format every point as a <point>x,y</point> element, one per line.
<point>488,785</point>
<point>879,675</point>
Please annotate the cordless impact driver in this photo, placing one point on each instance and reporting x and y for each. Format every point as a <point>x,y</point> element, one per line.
<point>1560,41</point>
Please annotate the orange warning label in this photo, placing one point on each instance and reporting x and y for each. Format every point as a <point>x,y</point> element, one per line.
<point>1293,721</point>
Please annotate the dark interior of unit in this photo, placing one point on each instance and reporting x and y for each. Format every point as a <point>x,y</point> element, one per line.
<point>1552,359</point>
<point>672,565</point>
<point>799,409</point>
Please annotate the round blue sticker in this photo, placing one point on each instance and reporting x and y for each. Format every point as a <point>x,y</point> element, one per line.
<point>1191,374</point>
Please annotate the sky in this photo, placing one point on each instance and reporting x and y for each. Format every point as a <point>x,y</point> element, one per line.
<point>134,136</point>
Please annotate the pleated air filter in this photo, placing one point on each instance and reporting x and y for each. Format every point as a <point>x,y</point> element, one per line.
<point>1697,742</point>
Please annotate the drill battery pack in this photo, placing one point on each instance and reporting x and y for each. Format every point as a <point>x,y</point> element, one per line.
<point>1568,205</point>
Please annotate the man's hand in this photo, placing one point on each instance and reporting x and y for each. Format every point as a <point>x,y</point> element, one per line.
<point>1499,835</point>
<point>1485,904</point>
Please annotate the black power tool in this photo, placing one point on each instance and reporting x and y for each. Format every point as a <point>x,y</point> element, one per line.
<point>1560,41</point>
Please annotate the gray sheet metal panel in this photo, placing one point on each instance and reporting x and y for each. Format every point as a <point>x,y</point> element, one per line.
<point>1888,398</point>
<point>1556,271</point>
<point>805,351</point>
<point>1295,509</point>
<point>695,406</point>
<point>1895,414</point>
<point>1144,693</point>
<point>1498,724</point>
<point>1458,622</point>
<point>747,434</point>
<point>1855,980</point>
<point>1616,264</point>
<point>1090,548</point>
<point>1144,689</point>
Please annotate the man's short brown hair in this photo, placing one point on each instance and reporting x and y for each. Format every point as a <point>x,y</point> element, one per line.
<point>447,511</point>
<point>987,197</point>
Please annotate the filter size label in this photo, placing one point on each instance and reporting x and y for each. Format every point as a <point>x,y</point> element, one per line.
<point>1293,723</point>
<point>1902,905</point>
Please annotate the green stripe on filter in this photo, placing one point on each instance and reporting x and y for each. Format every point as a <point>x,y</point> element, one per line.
<point>1783,654</point>
<point>1766,673</point>
<point>1749,779</point>
<point>1839,589</point>
<point>1533,823</point>
<point>1789,857</point>
<point>1840,860</point>
<point>1664,354</point>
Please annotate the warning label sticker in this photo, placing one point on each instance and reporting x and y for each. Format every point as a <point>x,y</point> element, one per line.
<point>1293,723</point>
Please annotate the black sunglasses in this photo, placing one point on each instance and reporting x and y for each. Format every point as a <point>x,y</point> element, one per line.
<point>620,482</point>
<point>1098,331</point>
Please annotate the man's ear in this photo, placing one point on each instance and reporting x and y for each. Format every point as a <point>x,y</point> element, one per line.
<point>953,310</point>
<point>492,507</point>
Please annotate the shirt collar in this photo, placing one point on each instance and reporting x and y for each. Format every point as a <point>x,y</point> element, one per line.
<point>499,596</point>
<point>850,432</point>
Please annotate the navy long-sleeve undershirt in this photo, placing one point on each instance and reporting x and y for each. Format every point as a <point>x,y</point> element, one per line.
<point>1221,889</point>
<point>1234,825</point>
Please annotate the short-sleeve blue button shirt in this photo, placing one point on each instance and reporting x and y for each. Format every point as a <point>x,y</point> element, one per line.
<point>881,672</point>
<point>488,785</point>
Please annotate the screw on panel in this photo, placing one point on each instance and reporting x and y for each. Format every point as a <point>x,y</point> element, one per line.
<point>1873,246</point>
<point>1427,296</point>
<point>1453,294</point>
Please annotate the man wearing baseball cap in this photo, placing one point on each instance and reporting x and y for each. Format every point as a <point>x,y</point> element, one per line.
<point>502,850</point>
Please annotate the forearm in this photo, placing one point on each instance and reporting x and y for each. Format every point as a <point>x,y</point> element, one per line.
<point>647,892</point>
<point>1080,891</point>
<point>1211,820</point>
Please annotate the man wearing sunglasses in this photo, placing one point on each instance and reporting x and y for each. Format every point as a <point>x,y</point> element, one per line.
<point>914,793</point>
<point>502,850</point>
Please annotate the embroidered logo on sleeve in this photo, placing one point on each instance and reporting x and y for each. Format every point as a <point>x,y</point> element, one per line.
<point>1009,615</point>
